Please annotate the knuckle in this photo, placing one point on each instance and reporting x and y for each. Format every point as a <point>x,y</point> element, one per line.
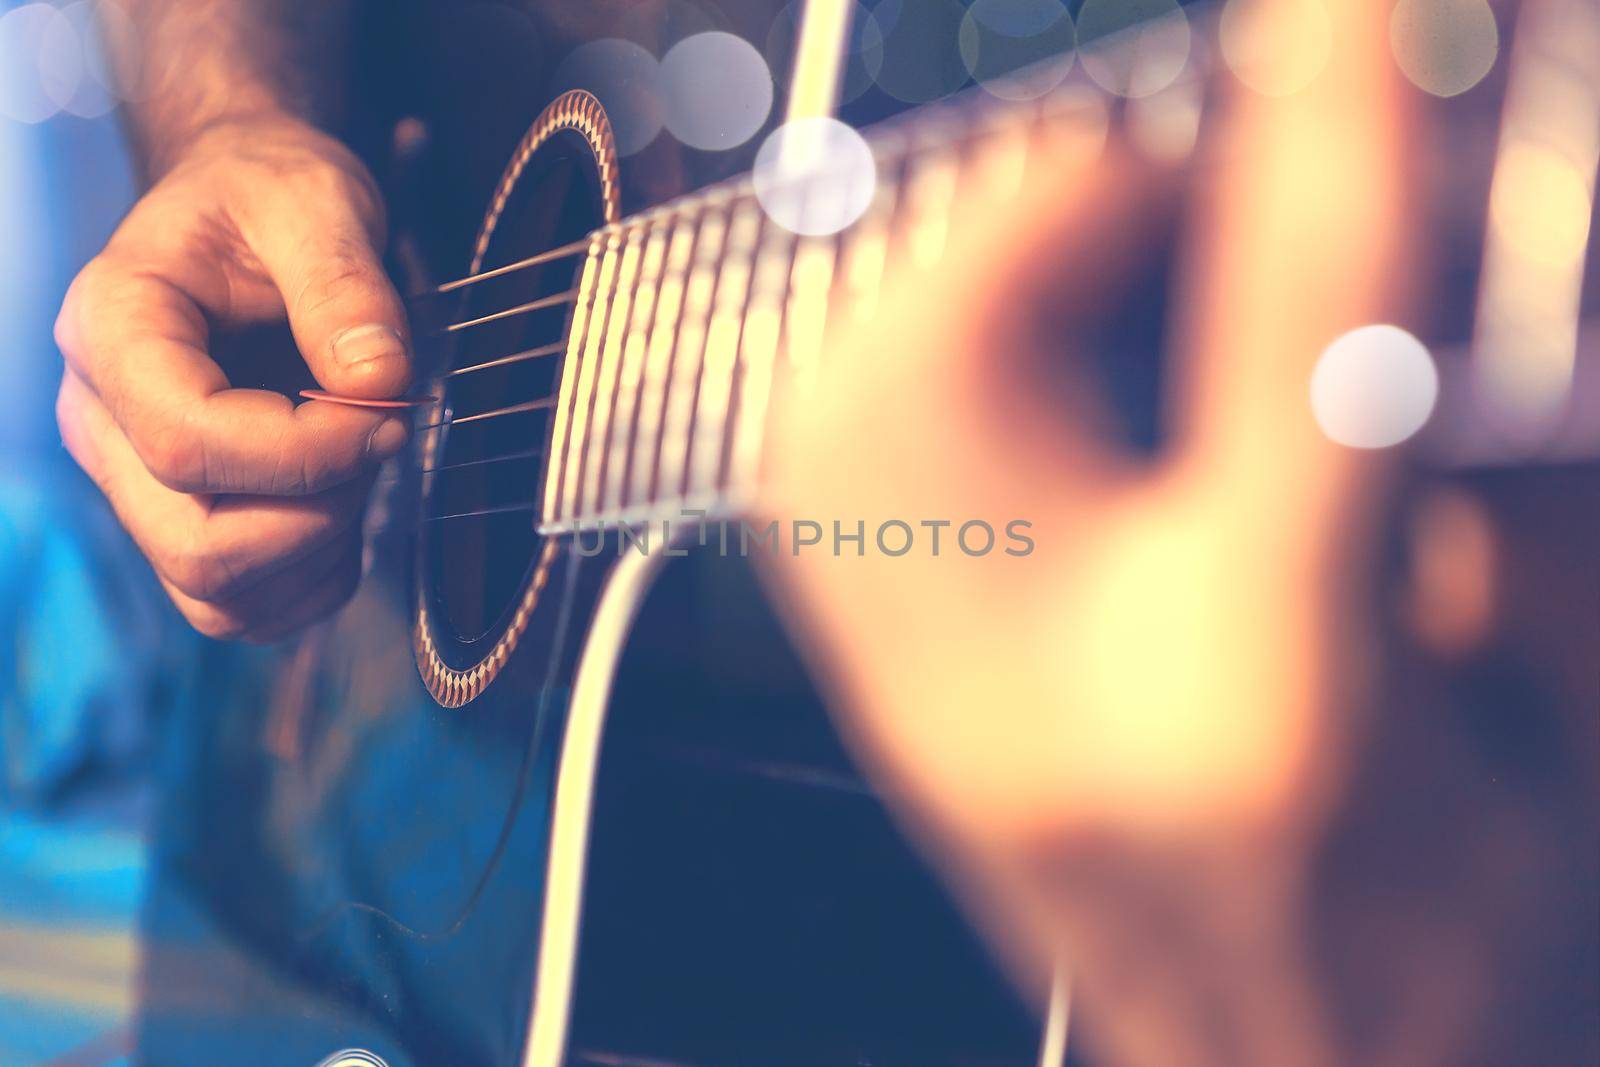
<point>196,571</point>
<point>328,178</point>
<point>215,623</point>
<point>174,455</point>
<point>66,413</point>
<point>87,294</point>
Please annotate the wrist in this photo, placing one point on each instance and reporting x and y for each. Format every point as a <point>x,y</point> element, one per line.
<point>198,136</point>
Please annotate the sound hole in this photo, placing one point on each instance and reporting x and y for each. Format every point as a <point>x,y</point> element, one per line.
<point>485,477</point>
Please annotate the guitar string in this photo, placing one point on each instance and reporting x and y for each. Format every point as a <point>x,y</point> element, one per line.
<point>531,453</point>
<point>500,509</point>
<point>543,303</point>
<point>690,204</point>
<point>563,252</point>
<point>498,413</point>
<point>516,357</point>
<point>604,299</point>
<point>641,229</point>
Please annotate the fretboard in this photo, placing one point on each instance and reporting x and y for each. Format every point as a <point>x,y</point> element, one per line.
<point>690,315</point>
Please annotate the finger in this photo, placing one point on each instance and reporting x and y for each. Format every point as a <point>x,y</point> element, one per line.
<point>210,549</point>
<point>1028,270</point>
<point>1296,243</point>
<point>346,316</point>
<point>139,342</point>
<point>313,589</point>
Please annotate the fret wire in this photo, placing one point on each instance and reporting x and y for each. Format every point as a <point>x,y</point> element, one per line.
<point>722,349</point>
<point>930,189</point>
<point>584,400</point>
<point>1001,145</point>
<point>561,425</point>
<point>758,353</point>
<point>689,352</point>
<point>807,307</point>
<point>660,355</point>
<point>646,290</point>
<point>609,373</point>
<point>515,357</point>
<point>865,249</point>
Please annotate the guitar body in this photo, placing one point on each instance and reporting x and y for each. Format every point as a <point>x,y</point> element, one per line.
<point>539,799</point>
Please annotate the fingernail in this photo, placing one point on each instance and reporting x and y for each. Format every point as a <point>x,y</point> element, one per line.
<point>387,439</point>
<point>367,344</point>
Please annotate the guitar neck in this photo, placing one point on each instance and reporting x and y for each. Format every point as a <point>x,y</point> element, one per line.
<point>690,315</point>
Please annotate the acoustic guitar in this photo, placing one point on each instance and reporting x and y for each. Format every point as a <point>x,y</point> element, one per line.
<point>457,837</point>
<point>452,845</point>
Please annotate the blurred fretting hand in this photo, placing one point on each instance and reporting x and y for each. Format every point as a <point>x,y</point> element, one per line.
<point>247,506</point>
<point>1123,744</point>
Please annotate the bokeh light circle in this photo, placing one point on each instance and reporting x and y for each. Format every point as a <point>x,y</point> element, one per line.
<point>1133,48</point>
<point>60,60</point>
<point>96,91</point>
<point>1018,49</point>
<point>33,62</point>
<point>1374,387</point>
<point>863,58</point>
<point>815,176</point>
<point>627,81</point>
<point>716,90</point>
<point>1540,204</point>
<point>921,48</point>
<point>1444,46</point>
<point>1276,47</point>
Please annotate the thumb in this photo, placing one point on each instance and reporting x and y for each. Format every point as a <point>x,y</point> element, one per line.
<point>347,319</point>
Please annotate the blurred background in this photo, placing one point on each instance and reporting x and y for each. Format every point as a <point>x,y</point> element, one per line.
<point>86,646</point>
